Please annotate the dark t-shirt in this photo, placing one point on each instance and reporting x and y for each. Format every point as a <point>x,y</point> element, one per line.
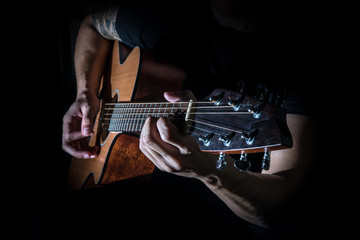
<point>215,56</point>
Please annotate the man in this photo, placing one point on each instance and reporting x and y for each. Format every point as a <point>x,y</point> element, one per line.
<point>260,198</point>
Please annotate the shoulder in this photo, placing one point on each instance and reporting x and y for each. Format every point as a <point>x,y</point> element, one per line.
<point>104,21</point>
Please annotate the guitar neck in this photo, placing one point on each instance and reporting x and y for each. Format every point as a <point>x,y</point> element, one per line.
<point>225,122</point>
<point>130,117</point>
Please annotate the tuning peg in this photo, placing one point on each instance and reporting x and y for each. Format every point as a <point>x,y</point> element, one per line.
<point>220,163</point>
<point>242,164</point>
<point>257,110</point>
<point>250,136</point>
<point>206,139</point>
<point>236,104</point>
<point>265,165</point>
<point>227,138</point>
<point>217,98</point>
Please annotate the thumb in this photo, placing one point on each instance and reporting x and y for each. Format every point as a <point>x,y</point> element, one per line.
<point>181,95</point>
<point>86,122</point>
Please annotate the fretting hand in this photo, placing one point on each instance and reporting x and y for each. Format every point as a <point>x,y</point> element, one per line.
<point>168,148</point>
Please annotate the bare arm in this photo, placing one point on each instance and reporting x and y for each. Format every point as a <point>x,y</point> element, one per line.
<point>252,196</point>
<point>92,48</point>
<point>91,52</point>
<point>256,197</point>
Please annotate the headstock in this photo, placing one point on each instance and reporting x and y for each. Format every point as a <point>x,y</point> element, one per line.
<point>233,123</point>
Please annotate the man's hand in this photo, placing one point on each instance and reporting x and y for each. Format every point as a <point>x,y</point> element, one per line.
<point>168,148</point>
<point>78,125</point>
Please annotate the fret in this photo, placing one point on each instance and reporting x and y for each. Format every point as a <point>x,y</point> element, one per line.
<point>117,121</point>
<point>130,117</point>
<point>149,111</point>
<point>140,118</point>
<point>107,111</point>
<point>133,119</point>
<point>121,120</point>
<point>166,107</point>
<point>127,117</point>
<point>153,111</point>
<point>122,117</point>
<point>144,116</point>
<point>136,120</point>
<point>113,125</point>
<point>172,109</point>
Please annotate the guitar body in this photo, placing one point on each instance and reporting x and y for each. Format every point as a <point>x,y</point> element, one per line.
<point>132,76</point>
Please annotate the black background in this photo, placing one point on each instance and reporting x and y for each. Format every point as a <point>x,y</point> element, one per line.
<point>42,86</point>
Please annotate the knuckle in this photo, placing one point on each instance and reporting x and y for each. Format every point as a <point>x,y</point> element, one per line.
<point>166,133</point>
<point>141,145</point>
<point>147,140</point>
<point>167,136</point>
<point>185,150</point>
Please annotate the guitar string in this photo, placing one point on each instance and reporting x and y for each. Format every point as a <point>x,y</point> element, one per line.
<point>128,118</point>
<point>216,126</point>
<point>127,109</point>
<point>187,131</point>
<point>154,114</point>
<point>195,121</point>
<point>164,108</point>
<point>129,103</point>
<point>134,106</point>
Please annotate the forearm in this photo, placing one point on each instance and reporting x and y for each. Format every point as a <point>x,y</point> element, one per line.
<point>251,196</point>
<point>91,53</point>
<point>260,197</point>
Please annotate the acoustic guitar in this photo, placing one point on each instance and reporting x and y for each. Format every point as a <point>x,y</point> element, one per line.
<point>226,122</point>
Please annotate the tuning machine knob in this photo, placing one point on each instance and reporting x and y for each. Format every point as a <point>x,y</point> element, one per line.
<point>242,164</point>
<point>265,165</point>
<point>227,138</point>
<point>236,104</point>
<point>217,98</point>
<point>257,110</point>
<point>206,139</point>
<point>220,163</point>
<point>250,136</point>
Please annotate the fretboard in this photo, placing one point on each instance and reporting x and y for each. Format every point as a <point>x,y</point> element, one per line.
<point>130,117</point>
